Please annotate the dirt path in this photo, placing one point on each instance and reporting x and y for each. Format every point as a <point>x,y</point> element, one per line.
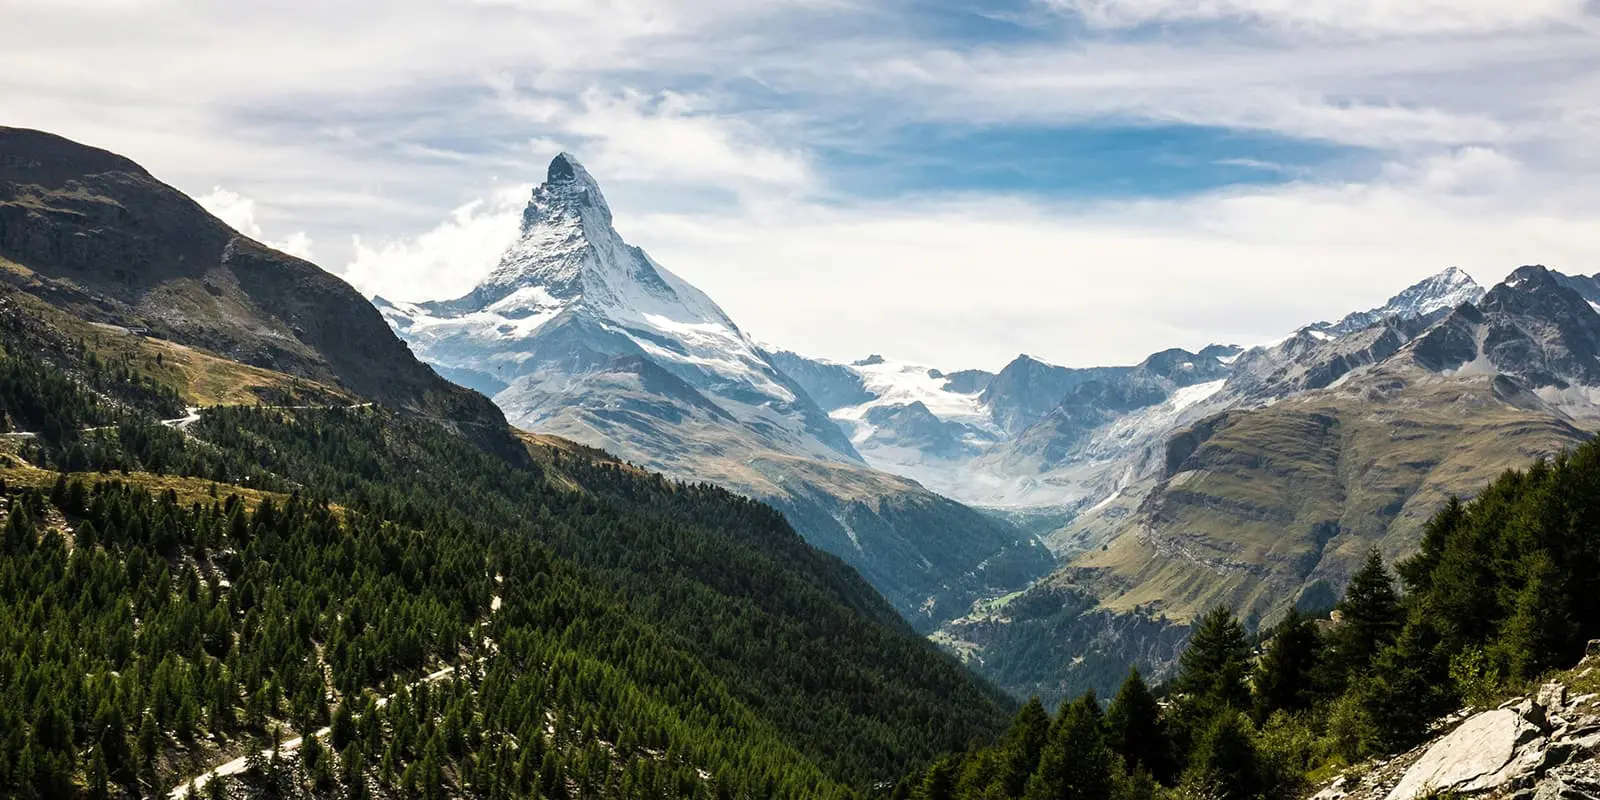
<point>236,766</point>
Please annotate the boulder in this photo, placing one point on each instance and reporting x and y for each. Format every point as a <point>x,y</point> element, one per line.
<point>1571,782</point>
<point>1490,750</point>
<point>1553,696</point>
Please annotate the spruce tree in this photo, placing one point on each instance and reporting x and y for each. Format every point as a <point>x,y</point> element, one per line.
<point>940,782</point>
<point>1224,760</point>
<point>1407,686</point>
<point>1135,730</point>
<point>1284,678</point>
<point>1212,670</point>
<point>1024,743</point>
<point>1540,631</point>
<point>1076,764</point>
<point>1369,616</point>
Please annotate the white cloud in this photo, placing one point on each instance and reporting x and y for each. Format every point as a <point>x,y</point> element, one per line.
<point>240,213</point>
<point>723,131</point>
<point>445,261</point>
<point>1362,17</point>
<point>665,137</point>
<point>970,282</point>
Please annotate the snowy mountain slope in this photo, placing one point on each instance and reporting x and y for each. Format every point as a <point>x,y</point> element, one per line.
<point>586,336</point>
<point>1440,292</point>
<point>570,295</point>
<point>1086,451</point>
<point>1040,436</point>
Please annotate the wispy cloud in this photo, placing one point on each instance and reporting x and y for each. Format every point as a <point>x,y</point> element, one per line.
<point>240,213</point>
<point>734,139</point>
<point>1349,17</point>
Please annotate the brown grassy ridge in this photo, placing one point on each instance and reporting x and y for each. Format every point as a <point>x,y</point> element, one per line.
<point>18,474</point>
<point>1287,499</point>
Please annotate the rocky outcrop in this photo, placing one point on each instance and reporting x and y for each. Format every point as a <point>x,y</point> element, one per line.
<point>1543,747</point>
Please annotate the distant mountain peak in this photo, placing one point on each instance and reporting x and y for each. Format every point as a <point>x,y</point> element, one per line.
<point>567,187</point>
<point>1442,290</point>
<point>564,168</point>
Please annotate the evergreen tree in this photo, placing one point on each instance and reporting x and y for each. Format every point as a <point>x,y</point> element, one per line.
<point>1224,759</point>
<point>1540,625</point>
<point>1285,677</point>
<point>1407,686</point>
<point>1212,671</point>
<point>1135,730</point>
<point>940,783</point>
<point>1076,764</point>
<point>1024,744</point>
<point>343,729</point>
<point>1369,616</point>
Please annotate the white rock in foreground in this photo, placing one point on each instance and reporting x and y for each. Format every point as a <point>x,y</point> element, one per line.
<point>1471,759</point>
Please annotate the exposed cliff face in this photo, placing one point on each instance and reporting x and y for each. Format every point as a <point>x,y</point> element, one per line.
<point>95,233</point>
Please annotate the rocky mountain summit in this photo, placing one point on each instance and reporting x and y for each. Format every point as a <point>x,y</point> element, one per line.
<point>580,334</point>
<point>1542,747</point>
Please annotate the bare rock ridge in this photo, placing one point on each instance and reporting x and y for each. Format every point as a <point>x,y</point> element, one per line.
<point>1543,747</point>
<point>94,232</point>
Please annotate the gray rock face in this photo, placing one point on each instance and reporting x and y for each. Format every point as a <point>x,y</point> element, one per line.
<point>1027,389</point>
<point>1542,747</point>
<point>1479,755</point>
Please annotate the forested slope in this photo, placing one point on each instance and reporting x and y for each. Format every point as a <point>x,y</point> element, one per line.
<point>180,589</point>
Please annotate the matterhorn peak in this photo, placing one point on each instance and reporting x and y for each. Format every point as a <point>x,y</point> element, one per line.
<point>567,187</point>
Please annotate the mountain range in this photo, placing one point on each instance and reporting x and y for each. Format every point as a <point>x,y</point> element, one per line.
<point>1253,477</point>
<point>1049,524</point>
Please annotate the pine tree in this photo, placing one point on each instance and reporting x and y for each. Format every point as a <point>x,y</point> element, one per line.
<point>1369,616</point>
<point>343,729</point>
<point>1417,571</point>
<point>1540,629</point>
<point>1224,758</point>
<point>1212,670</point>
<point>1407,686</point>
<point>1076,764</point>
<point>1135,730</point>
<point>1284,680</point>
<point>1024,743</point>
<point>940,783</point>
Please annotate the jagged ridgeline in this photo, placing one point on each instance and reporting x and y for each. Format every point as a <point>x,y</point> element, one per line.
<point>1505,590</point>
<point>207,552</point>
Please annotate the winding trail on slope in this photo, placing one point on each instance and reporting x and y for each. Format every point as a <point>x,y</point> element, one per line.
<point>238,765</point>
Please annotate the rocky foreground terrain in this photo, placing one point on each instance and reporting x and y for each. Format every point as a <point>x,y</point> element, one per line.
<point>1541,747</point>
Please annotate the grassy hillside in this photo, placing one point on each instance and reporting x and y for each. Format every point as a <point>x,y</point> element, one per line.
<point>1282,503</point>
<point>1499,592</point>
<point>1260,510</point>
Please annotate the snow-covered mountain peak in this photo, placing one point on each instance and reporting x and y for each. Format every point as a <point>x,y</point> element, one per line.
<point>568,253</point>
<point>568,181</point>
<point>1446,289</point>
<point>1443,290</point>
<point>570,297</point>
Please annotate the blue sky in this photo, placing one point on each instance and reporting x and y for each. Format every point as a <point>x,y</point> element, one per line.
<point>951,182</point>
